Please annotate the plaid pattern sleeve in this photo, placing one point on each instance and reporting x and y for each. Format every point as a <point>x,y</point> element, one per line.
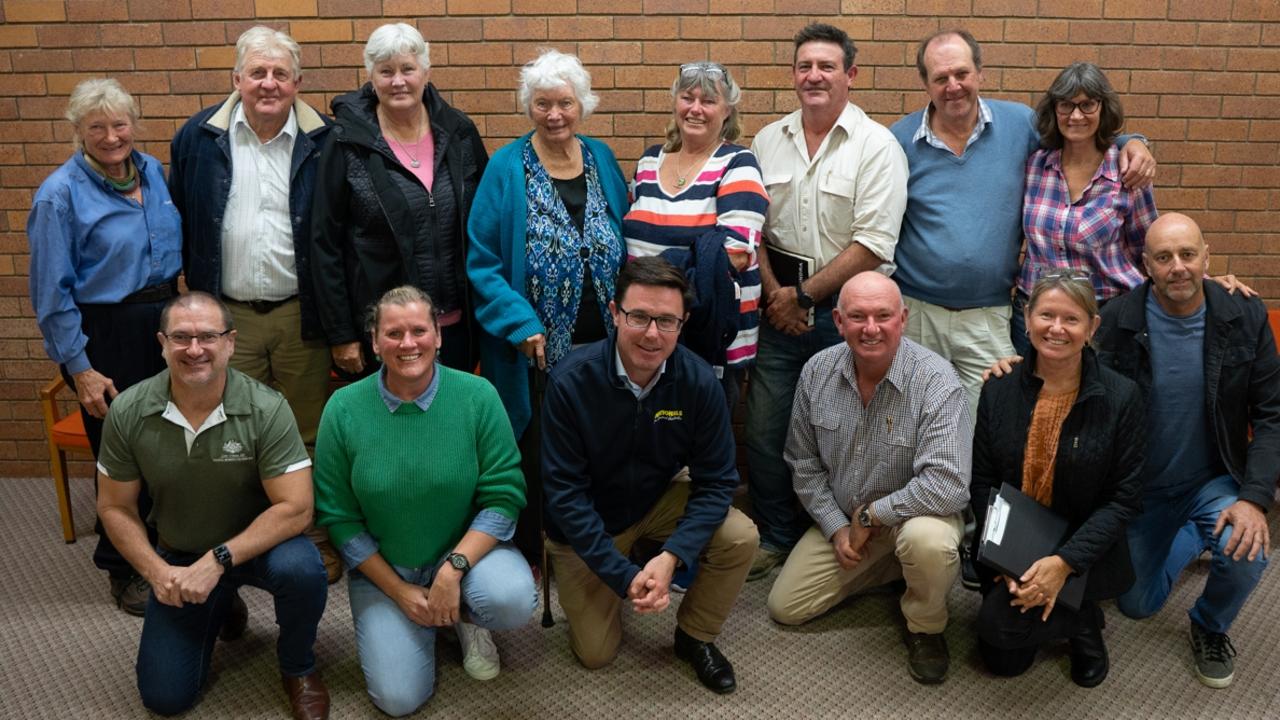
<point>908,452</point>
<point>1102,233</point>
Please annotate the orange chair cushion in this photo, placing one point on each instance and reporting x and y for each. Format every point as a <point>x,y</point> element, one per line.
<point>1273,316</point>
<point>69,432</point>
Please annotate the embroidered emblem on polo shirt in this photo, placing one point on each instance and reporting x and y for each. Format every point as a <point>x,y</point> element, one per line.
<point>668,415</point>
<point>233,451</point>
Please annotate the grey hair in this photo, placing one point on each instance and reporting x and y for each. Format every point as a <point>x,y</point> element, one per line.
<point>554,69</point>
<point>396,39</point>
<point>711,87</point>
<point>400,297</point>
<point>262,40</point>
<point>99,95</point>
<point>194,299</point>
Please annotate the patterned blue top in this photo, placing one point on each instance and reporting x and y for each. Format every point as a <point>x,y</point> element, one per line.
<point>555,252</point>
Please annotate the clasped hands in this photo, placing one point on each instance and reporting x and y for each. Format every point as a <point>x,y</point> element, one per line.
<point>1039,585</point>
<point>650,590</point>
<point>437,606</point>
<point>177,585</point>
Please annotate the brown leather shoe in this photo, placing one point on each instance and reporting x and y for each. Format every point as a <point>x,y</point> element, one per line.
<point>329,555</point>
<point>308,697</point>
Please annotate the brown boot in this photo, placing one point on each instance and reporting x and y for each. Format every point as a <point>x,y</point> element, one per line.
<point>308,697</point>
<point>328,554</point>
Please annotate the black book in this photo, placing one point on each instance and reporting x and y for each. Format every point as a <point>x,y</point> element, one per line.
<point>1020,531</point>
<point>790,269</point>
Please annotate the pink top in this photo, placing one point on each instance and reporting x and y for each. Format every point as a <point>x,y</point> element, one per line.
<point>424,151</point>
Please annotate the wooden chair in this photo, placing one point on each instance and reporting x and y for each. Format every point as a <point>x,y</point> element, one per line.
<point>64,434</point>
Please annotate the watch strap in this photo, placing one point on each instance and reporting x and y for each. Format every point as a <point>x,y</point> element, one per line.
<point>222,554</point>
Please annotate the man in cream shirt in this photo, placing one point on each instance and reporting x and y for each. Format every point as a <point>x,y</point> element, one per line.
<point>837,183</point>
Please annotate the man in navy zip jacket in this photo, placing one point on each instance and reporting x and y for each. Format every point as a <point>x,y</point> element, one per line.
<point>620,418</point>
<point>1206,363</point>
<point>242,174</point>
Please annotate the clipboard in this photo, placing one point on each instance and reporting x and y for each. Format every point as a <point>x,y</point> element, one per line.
<point>1019,531</point>
<point>790,269</point>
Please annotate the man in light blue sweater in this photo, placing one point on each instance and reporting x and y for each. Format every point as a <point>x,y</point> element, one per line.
<point>957,252</point>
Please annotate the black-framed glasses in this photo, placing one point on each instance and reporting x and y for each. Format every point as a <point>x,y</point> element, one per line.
<point>205,338</point>
<point>703,68</point>
<point>641,319</point>
<point>1086,107</point>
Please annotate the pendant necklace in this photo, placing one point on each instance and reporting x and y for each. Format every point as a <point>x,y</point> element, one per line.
<point>413,160</point>
<point>681,176</point>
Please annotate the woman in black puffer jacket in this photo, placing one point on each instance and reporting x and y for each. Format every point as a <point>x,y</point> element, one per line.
<point>1070,434</point>
<point>394,187</point>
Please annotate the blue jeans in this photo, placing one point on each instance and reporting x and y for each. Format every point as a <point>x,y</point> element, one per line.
<point>779,359</point>
<point>177,643</point>
<point>397,655</point>
<point>1169,534</point>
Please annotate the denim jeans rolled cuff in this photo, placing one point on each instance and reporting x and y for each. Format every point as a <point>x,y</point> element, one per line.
<point>177,643</point>
<point>1170,533</point>
<point>780,358</point>
<point>397,656</point>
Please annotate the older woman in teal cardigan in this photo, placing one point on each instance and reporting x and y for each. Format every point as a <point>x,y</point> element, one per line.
<point>546,245</point>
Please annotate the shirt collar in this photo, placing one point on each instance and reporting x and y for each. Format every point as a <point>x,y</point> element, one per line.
<point>640,392</point>
<point>238,121</point>
<point>423,401</point>
<point>1109,168</point>
<point>848,120</point>
<point>926,133</point>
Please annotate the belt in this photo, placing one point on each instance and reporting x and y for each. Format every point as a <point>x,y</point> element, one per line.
<point>262,307</point>
<point>153,293</point>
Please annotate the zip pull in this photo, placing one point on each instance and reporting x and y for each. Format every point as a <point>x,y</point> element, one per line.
<point>1075,443</point>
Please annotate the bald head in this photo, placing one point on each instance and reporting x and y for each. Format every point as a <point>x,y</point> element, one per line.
<point>871,317</point>
<point>1176,258</point>
<point>870,283</point>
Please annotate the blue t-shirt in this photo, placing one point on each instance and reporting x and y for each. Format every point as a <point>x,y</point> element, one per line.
<point>1180,447</point>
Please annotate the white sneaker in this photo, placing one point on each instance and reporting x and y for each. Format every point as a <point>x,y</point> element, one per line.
<point>479,654</point>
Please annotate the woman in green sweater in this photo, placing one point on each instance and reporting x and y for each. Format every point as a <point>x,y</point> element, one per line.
<point>418,481</point>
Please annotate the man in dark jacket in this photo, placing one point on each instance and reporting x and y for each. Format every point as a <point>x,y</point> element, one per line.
<point>620,418</point>
<point>1206,363</point>
<point>242,175</point>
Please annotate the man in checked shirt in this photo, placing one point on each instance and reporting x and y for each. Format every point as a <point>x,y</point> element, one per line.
<point>879,449</point>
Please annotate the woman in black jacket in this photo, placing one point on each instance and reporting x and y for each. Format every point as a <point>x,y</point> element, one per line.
<point>394,187</point>
<point>1069,433</point>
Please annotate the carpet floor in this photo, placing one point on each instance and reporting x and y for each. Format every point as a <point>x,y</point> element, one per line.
<point>66,652</point>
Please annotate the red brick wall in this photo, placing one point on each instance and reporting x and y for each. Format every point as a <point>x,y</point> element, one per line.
<point>1201,78</point>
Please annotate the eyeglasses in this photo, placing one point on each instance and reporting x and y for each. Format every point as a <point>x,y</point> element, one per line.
<point>641,319</point>
<point>1067,274</point>
<point>205,339</point>
<point>702,68</point>
<point>1086,107</point>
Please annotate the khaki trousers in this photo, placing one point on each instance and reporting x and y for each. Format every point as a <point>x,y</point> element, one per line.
<point>270,349</point>
<point>971,340</point>
<point>923,551</point>
<point>594,611</point>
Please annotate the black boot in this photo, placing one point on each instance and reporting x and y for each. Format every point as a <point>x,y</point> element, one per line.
<point>1089,664</point>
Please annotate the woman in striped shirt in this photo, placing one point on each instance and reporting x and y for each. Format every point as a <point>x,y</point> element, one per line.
<point>699,186</point>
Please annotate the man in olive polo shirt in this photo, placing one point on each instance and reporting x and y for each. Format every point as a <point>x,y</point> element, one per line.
<point>231,484</point>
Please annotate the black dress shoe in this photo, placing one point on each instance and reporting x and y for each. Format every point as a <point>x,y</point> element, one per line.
<point>237,620</point>
<point>713,669</point>
<point>1089,664</point>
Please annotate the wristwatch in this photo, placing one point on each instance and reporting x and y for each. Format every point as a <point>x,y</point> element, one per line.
<point>864,516</point>
<point>459,562</point>
<point>803,299</point>
<point>223,556</point>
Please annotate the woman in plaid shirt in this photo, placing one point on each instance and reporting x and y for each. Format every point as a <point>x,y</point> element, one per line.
<point>1076,212</point>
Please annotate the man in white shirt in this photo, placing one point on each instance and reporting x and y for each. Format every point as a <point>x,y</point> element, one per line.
<point>242,176</point>
<point>837,183</point>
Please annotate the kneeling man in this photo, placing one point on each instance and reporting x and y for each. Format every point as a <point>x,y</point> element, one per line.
<point>620,418</point>
<point>231,483</point>
<point>879,449</point>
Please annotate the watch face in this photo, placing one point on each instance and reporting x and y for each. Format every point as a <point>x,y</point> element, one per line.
<point>458,562</point>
